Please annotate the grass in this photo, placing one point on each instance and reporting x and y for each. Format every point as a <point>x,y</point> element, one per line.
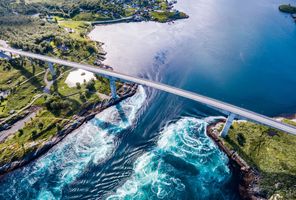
<point>76,25</point>
<point>21,95</point>
<point>271,152</point>
<point>129,12</point>
<point>30,138</point>
<point>88,16</point>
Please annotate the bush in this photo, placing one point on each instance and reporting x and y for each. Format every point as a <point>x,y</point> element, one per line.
<point>78,86</point>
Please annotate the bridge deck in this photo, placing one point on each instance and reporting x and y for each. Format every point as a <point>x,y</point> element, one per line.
<point>166,88</point>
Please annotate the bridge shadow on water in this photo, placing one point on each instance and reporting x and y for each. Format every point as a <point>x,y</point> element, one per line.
<point>99,178</point>
<point>108,126</point>
<point>121,113</point>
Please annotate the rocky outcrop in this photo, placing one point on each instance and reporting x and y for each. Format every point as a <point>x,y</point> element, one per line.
<point>248,177</point>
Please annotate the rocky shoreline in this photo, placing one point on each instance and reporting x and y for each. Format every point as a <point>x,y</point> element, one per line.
<point>248,177</point>
<point>83,117</point>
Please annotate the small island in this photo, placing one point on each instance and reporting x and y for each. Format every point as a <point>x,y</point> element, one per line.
<point>288,9</point>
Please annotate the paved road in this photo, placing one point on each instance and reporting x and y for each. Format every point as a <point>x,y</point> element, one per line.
<point>21,110</point>
<point>112,21</point>
<point>166,88</point>
<point>48,83</point>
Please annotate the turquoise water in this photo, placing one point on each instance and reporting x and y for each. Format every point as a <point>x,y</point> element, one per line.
<point>91,144</point>
<point>185,164</point>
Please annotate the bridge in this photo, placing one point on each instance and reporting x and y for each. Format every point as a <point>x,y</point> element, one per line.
<point>233,111</point>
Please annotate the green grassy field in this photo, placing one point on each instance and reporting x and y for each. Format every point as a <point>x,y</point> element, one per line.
<point>23,81</point>
<point>46,123</point>
<point>271,152</point>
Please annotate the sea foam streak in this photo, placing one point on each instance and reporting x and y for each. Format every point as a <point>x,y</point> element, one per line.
<point>91,143</point>
<point>185,164</point>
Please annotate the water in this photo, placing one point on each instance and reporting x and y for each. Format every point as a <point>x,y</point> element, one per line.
<point>153,146</point>
<point>185,164</point>
<point>236,51</point>
<point>91,144</point>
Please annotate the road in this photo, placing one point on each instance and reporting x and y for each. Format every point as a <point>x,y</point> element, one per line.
<point>48,83</point>
<point>21,110</point>
<point>112,21</point>
<point>166,88</point>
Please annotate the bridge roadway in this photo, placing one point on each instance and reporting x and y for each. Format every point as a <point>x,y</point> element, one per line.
<point>166,88</point>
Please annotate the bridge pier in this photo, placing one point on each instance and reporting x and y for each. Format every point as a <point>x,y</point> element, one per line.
<point>51,69</point>
<point>113,88</point>
<point>227,125</point>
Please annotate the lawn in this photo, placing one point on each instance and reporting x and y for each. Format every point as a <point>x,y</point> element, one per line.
<point>40,129</point>
<point>13,78</point>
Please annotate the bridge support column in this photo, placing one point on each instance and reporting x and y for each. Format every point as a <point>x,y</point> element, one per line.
<point>227,125</point>
<point>113,88</point>
<point>51,69</point>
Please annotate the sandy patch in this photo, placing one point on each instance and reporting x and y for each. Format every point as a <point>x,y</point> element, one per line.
<point>78,76</point>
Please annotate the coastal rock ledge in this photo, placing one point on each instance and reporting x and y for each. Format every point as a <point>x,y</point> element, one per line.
<point>248,177</point>
<point>85,115</point>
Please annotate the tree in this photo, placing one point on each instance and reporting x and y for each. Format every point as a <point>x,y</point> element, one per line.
<point>59,128</point>
<point>82,97</point>
<point>21,132</point>
<point>91,85</point>
<point>91,49</point>
<point>87,93</point>
<point>34,134</point>
<point>40,125</point>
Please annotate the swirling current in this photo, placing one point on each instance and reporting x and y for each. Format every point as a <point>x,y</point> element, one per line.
<point>184,163</point>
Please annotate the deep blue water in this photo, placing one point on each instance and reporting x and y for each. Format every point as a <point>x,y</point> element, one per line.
<point>242,52</point>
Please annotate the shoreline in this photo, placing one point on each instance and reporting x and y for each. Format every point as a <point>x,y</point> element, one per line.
<point>85,115</point>
<point>248,176</point>
<point>248,186</point>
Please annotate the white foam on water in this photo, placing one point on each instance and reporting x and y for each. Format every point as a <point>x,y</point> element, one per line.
<point>91,143</point>
<point>155,178</point>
